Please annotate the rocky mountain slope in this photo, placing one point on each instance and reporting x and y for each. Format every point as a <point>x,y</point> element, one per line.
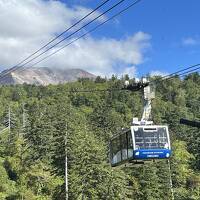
<point>43,76</point>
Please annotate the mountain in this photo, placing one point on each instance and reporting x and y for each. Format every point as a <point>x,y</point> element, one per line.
<point>43,76</point>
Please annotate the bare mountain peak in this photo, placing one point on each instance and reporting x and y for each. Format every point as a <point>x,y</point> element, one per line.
<point>43,76</point>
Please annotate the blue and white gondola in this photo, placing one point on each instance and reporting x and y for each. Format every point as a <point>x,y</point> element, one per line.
<point>140,143</point>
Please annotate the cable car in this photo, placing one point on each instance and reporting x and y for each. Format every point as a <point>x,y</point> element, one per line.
<point>144,140</point>
<point>140,143</point>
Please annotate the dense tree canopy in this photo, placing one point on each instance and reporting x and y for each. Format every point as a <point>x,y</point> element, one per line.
<point>48,122</point>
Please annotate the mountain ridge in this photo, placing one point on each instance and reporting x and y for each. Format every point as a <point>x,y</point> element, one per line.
<point>43,76</point>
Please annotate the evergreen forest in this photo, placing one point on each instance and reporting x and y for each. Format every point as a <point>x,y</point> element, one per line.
<point>40,125</point>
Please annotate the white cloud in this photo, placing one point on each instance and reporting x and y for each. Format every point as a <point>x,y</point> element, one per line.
<point>189,41</point>
<point>105,56</point>
<point>26,25</point>
<point>158,73</point>
<point>131,71</point>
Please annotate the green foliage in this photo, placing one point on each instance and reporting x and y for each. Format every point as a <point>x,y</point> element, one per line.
<point>57,123</point>
<point>7,186</point>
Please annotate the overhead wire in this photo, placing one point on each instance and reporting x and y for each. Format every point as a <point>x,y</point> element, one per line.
<point>187,73</point>
<point>85,34</point>
<point>172,75</point>
<point>184,71</point>
<point>65,38</point>
<point>177,72</point>
<point>73,90</point>
<point>65,31</point>
<point>187,68</point>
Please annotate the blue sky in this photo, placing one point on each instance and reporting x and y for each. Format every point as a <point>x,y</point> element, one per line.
<point>154,36</point>
<point>169,23</point>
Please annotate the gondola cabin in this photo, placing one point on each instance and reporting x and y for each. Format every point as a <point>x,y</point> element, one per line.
<point>140,143</point>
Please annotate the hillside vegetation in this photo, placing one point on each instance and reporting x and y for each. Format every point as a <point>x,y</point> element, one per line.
<point>32,153</point>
